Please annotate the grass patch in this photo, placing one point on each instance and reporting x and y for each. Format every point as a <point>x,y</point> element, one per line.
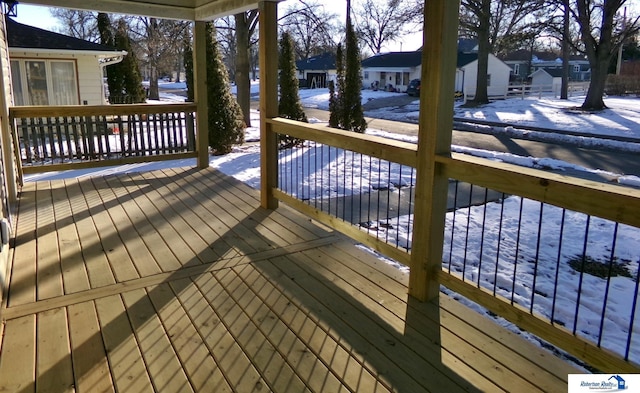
<point>594,267</point>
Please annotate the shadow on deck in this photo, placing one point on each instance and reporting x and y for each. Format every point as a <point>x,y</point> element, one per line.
<point>177,280</point>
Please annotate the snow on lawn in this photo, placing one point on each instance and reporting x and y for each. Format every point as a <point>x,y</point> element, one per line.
<point>483,242</point>
<point>621,119</point>
<point>319,98</point>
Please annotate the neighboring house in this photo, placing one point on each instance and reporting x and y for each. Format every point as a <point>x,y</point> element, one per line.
<point>317,71</point>
<point>467,74</point>
<point>579,68</point>
<point>391,71</point>
<point>548,79</point>
<point>54,69</point>
<point>524,63</point>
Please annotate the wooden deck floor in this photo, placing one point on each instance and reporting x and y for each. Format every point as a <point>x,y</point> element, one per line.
<point>177,281</point>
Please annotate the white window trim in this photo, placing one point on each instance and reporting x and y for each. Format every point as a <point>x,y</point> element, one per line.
<point>49,75</point>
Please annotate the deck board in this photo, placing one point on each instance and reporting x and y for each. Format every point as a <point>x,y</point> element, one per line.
<point>176,280</point>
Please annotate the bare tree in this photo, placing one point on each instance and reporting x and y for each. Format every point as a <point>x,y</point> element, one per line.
<point>246,23</point>
<point>227,43</point>
<point>78,24</point>
<point>381,22</point>
<point>603,31</point>
<point>311,27</point>
<point>494,24</point>
<point>159,41</point>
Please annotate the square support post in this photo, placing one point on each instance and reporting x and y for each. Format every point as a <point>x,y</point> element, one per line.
<point>200,93</point>
<point>7,141</point>
<point>268,53</point>
<point>439,58</point>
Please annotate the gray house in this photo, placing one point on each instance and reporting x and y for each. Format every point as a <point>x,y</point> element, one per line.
<point>547,79</point>
<point>524,63</point>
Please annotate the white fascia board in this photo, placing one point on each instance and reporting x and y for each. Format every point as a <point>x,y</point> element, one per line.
<point>63,52</point>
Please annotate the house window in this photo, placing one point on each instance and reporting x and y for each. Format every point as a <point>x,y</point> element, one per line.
<point>16,80</point>
<point>44,82</point>
<point>488,79</point>
<point>516,69</point>
<point>366,75</point>
<point>576,68</point>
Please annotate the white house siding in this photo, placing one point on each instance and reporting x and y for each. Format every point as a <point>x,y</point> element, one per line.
<point>467,76</point>
<point>371,75</point>
<point>88,72</point>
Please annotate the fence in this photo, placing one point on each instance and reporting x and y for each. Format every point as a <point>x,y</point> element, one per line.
<point>54,138</point>
<point>527,90</point>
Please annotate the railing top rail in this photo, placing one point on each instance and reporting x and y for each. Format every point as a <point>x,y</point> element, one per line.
<point>93,110</point>
<point>404,153</point>
<point>613,202</point>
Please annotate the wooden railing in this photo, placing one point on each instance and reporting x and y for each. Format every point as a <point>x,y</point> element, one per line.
<point>390,151</point>
<point>620,205</point>
<point>66,137</point>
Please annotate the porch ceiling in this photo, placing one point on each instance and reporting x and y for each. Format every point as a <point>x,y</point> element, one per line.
<point>169,9</point>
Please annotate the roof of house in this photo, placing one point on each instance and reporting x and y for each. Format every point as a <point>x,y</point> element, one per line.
<point>553,72</point>
<point>467,45</point>
<point>23,36</point>
<point>325,61</point>
<point>394,60</point>
<point>466,58</point>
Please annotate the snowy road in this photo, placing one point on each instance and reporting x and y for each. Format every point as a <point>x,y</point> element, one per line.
<point>615,162</point>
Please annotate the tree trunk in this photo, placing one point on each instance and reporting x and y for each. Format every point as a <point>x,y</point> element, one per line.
<point>242,79</point>
<point>593,101</point>
<point>153,58</point>
<point>154,94</point>
<point>564,89</point>
<point>481,96</point>
<point>599,50</point>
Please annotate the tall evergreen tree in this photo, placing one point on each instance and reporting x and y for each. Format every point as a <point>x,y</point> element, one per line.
<point>127,78</point>
<point>226,124</point>
<point>333,105</point>
<point>289,105</point>
<point>106,38</point>
<point>188,67</point>
<point>336,93</point>
<point>352,101</point>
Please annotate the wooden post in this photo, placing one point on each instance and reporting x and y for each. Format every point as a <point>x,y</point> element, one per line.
<point>268,53</point>
<point>5,125</point>
<point>200,93</point>
<point>439,58</point>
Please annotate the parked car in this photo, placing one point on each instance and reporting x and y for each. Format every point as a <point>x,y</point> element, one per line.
<point>414,88</point>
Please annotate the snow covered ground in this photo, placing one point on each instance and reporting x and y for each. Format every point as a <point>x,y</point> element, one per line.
<point>492,241</point>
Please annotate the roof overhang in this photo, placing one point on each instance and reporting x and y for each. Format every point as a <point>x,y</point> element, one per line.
<point>201,10</point>
<point>389,69</point>
<point>68,53</point>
